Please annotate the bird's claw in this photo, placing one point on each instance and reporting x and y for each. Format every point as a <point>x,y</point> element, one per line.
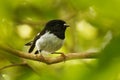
<point>64,56</point>
<point>41,57</point>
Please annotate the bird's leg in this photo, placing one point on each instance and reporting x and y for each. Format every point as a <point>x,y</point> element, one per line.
<point>62,54</point>
<point>39,55</point>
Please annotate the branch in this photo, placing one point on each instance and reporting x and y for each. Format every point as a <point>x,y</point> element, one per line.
<point>12,65</point>
<point>49,60</point>
<point>33,23</point>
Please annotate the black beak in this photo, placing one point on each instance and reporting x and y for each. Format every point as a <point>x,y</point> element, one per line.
<point>66,25</point>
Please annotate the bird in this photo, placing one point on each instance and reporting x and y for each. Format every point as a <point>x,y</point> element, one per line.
<point>50,39</point>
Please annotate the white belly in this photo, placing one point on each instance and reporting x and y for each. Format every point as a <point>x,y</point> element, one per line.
<point>49,43</point>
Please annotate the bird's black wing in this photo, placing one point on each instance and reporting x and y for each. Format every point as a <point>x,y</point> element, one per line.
<point>32,43</point>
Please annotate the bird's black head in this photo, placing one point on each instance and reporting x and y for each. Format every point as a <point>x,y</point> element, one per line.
<point>57,27</point>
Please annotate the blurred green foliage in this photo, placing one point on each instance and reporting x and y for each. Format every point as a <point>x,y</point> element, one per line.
<point>94,27</point>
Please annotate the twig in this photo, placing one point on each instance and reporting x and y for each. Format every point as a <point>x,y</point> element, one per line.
<point>12,65</point>
<point>33,23</point>
<point>49,60</point>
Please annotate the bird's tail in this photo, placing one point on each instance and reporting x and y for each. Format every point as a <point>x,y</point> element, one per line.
<point>31,46</point>
<point>29,43</point>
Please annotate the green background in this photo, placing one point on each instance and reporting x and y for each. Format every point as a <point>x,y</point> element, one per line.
<point>94,27</point>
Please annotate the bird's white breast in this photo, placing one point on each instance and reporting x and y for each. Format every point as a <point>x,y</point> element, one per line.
<point>49,42</point>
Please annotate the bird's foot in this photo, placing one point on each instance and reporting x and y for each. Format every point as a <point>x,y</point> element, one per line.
<point>62,54</point>
<point>41,57</point>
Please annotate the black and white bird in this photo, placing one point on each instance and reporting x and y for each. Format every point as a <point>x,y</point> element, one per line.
<point>51,38</point>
